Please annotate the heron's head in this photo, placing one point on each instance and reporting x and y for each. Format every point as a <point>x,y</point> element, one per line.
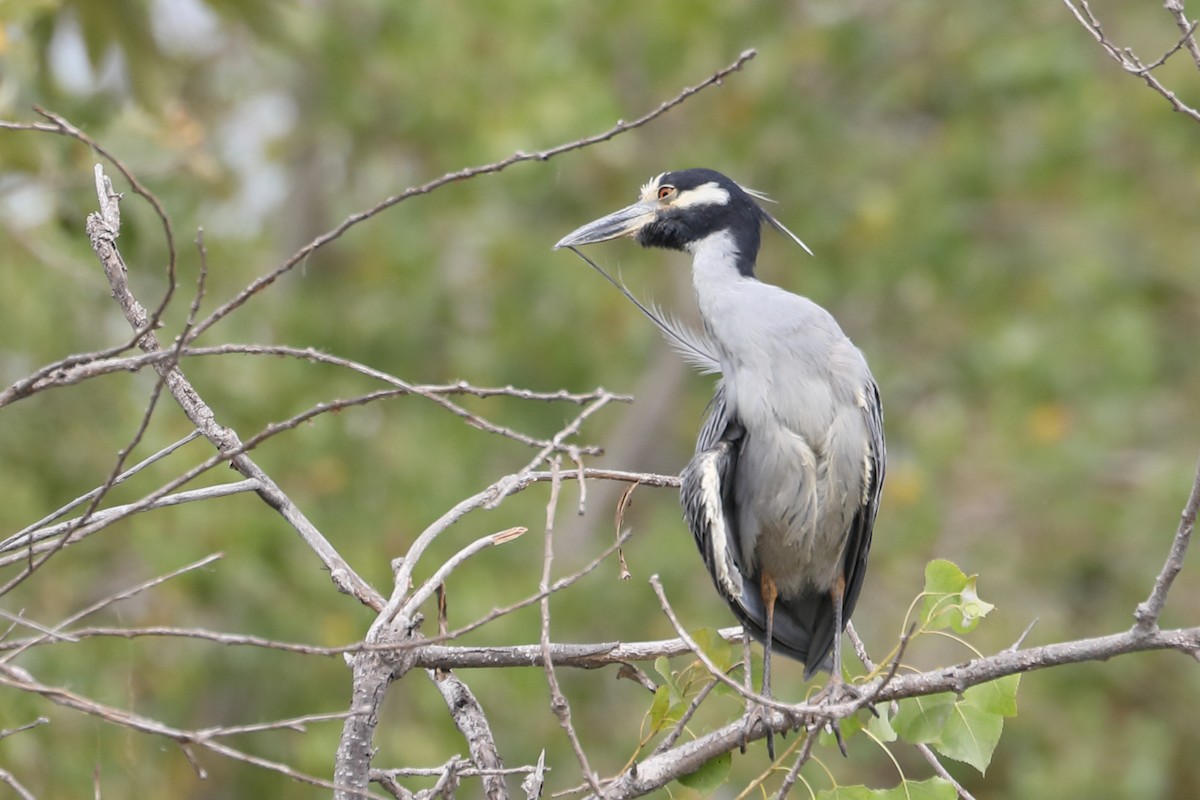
<point>679,210</point>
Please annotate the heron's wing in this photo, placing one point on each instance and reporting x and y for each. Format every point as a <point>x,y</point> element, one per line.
<point>858,541</point>
<point>803,625</point>
<point>706,494</point>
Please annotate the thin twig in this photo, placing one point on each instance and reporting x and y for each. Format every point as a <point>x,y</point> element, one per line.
<point>438,578</point>
<point>461,175</point>
<point>712,668</point>
<point>7,732</point>
<point>57,633</point>
<point>492,496</point>
<point>558,701</point>
<point>1147,612</point>
<point>669,740</point>
<point>11,780</point>
<point>1187,40</point>
<point>802,758</point>
<point>103,229</point>
<point>1125,57</point>
<point>31,536</point>
<point>78,368</point>
<point>17,678</point>
<point>297,724</point>
<point>1186,27</point>
<point>1024,635</point>
<point>942,772</point>
<point>466,772</point>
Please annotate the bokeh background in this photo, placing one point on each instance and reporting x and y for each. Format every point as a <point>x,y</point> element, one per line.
<point>1003,221</point>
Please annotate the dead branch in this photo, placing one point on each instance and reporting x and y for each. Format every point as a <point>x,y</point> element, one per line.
<point>461,175</point>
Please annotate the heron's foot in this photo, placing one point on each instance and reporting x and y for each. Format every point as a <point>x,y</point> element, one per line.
<point>836,692</point>
<point>758,715</point>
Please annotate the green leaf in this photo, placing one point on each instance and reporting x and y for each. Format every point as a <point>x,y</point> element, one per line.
<point>881,726</point>
<point>996,697</point>
<point>846,793</point>
<point>921,719</point>
<point>660,708</point>
<point>971,607</point>
<point>943,582</point>
<point>932,789</point>
<point>719,651</point>
<point>663,667</point>
<point>951,598</point>
<point>970,735</point>
<point>944,577</point>
<point>966,729</point>
<point>710,775</point>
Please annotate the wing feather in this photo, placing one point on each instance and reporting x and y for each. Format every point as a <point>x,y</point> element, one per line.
<point>695,347</point>
<point>858,543</point>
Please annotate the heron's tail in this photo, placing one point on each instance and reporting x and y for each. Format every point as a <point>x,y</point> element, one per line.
<point>803,625</point>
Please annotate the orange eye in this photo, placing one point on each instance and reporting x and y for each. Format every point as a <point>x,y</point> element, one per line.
<point>665,191</point>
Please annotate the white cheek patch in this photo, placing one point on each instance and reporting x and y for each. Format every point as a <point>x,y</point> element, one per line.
<point>708,194</point>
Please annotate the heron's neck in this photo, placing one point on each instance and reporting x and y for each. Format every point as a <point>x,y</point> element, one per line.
<point>719,260</point>
<point>725,291</point>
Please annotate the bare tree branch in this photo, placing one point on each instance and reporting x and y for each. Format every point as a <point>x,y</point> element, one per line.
<point>76,369</point>
<point>56,634</point>
<point>1130,62</point>
<point>658,770</point>
<point>11,780</point>
<point>17,678</point>
<point>1147,612</point>
<point>103,229</point>
<point>7,732</point>
<point>582,656</point>
<point>461,175</point>
<point>471,721</point>
<point>1187,28</point>
<point>558,701</point>
<point>490,497</point>
<point>25,539</point>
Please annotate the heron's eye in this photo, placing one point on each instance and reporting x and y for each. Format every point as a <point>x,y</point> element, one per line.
<point>666,192</point>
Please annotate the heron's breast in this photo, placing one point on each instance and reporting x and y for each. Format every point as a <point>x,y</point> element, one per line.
<point>797,496</point>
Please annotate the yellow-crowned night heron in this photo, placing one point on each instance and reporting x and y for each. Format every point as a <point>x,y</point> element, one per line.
<point>782,491</point>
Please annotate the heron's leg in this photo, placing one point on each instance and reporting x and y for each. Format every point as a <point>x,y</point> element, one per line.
<point>833,691</point>
<point>769,594</point>
<point>748,685</point>
<point>839,624</point>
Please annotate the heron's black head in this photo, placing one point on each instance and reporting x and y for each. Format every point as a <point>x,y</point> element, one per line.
<point>678,210</point>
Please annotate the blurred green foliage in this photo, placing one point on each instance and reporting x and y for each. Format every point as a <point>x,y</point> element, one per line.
<point>1003,221</point>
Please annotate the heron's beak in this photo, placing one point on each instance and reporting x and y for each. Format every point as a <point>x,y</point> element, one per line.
<point>626,222</point>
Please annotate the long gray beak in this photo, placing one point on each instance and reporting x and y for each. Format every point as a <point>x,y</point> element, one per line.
<point>625,222</point>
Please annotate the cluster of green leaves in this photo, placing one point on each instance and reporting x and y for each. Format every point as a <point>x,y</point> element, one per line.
<point>965,727</point>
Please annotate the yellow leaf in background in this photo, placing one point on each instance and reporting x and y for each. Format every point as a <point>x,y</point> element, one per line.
<point>1049,422</point>
<point>905,485</point>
